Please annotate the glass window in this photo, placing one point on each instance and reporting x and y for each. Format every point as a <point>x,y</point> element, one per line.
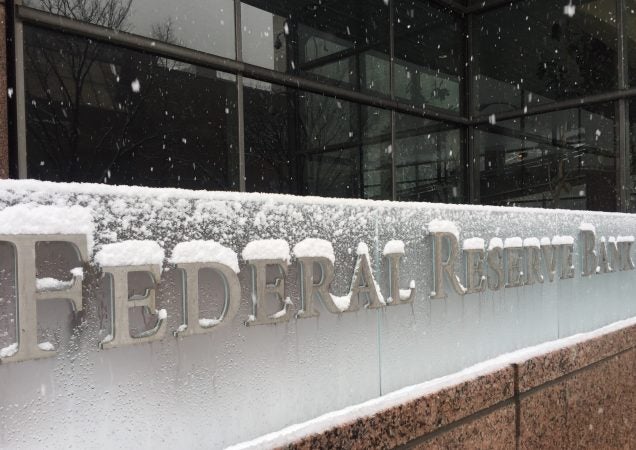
<point>535,51</point>
<point>97,113</point>
<point>632,154</point>
<point>339,42</point>
<point>630,39</point>
<point>205,25</point>
<point>427,161</point>
<point>428,55</point>
<point>565,159</point>
<point>309,144</point>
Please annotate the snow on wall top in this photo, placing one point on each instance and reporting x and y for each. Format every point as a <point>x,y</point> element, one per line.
<point>392,247</point>
<point>475,243</point>
<point>587,227</point>
<point>408,333</point>
<point>130,253</point>
<point>204,251</point>
<point>47,219</point>
<point>312,247</point>
<point>267,249</point>
<point>443,226</point>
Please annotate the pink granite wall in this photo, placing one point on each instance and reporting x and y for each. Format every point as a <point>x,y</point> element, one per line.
<point>583,396</point>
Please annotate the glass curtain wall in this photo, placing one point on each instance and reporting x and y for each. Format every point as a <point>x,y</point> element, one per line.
<point>564,159</point>
<point>99,113</point>
<point>107,114</point>
<point>309,144</point>
<point>362,99</point>
<point>534,53</point>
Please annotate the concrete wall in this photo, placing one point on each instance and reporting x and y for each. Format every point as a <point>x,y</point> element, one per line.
<point>581,396</point>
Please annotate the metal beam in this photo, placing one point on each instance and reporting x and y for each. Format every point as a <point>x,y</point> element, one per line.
<point>558,106</point>
<point>135,42</point>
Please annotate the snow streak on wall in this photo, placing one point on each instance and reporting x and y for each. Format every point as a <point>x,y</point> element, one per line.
<point>236,382</point>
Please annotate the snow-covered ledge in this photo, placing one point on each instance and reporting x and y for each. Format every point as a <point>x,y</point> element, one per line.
<point>331,303</point>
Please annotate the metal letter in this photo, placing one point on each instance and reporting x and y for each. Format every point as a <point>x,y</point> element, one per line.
<point>567,266</point>
<point>625,249</point>
<point>398,296</point>
<point>549,253</point>
<point>309,288</point>
<point>363,282</point>
<point>121,303</point>
<point>533,263</point>
<point>603,258</point>
<point>515,270</point>
<point>192,324</point>
<point>28,295</point>
<point>475,268</point>
<point>261,289</point>
<point>614,254</point>
<point>495,264</point>
<point>440,267</point>
<point>589,261</point>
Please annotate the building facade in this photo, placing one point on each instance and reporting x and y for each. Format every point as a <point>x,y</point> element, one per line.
<point>214,316</point>
<point>498,103</point>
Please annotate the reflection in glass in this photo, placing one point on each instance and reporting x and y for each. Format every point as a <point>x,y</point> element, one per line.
<point>97,113</point>
<point>309,144</point>
<point>565,159</point>
<point>630,39</point>
<point>205,25</point>
<point>632,155</point>
<point>339,42</point>
<point>427,161</point>
<point>428,54</point>
<point>530,52</point>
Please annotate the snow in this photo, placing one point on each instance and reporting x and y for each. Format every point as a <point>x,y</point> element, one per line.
<point>393,247</point>
<point>513,242</point>
<point>562,240</point>
<point>284,437</point>
<point>314,248</point>
<point>267,249</point>
<point>545,241</point>
<point>26,188</point>
<point>46,346</point>
<point>52,284</point>
<point>130,253</point>
<point>342,302</point>
<point>363,249</point>
<point>78,272</point>
<point>443,226</point>
<point>48,219</point>
<point>587,227</point>
<point>9,351</point>
<point>474,244</point>
<point>531,242</point>
<point>205,323</point>
<point>405,294</point>
<point>625,239</point>
<point>204,251</point>
<point>495,243</point>
<point>569,10</point>
<point>162,314</point>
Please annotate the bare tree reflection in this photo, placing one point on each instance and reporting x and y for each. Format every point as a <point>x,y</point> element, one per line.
<point>100,113</point>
